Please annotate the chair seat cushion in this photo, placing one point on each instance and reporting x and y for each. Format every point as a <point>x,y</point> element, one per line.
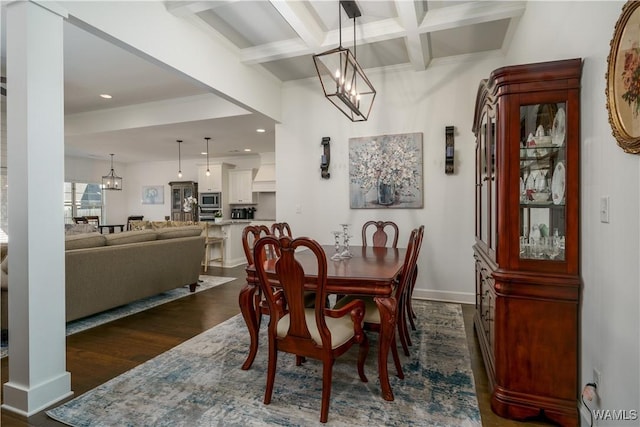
<point>371,312</point>
<point>341,328</point>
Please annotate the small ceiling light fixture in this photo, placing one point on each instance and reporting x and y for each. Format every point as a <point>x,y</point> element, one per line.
<point>343,80</point>
<point>260,130</point>
<point>208,171</point>
<point>179,159</point>
<point>111,181</point>
<point>105,96</point>
<point>247,150</point>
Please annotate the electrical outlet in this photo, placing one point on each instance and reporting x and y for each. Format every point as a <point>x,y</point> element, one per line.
<point>596,377</point>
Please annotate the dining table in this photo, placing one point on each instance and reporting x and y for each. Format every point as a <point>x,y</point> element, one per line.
<point>370,271</point>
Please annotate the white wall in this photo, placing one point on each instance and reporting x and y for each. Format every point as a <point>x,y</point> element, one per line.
<point>407,101</point>
<point>609,252</point>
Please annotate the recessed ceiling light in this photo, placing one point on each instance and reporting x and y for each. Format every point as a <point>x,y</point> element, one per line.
<point>204,153</point>
<point>105,96</point>
<point>247,149</point>
<point>260,130</point>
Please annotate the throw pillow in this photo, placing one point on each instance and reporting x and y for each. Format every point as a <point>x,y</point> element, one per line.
<point>140,225</point>
<point>156,225</point>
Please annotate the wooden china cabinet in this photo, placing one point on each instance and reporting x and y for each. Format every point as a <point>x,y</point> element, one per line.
<point>527,123</point>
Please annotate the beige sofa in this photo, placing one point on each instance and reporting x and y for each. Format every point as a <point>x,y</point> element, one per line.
<point>104,271</point>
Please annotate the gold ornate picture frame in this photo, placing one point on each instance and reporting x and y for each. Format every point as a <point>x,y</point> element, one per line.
<point>623,79</point>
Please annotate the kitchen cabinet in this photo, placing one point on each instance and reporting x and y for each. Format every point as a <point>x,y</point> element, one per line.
<point>526,253</point>
<point>216,182</point>
<point>180,190</point>
<point>240,186</point>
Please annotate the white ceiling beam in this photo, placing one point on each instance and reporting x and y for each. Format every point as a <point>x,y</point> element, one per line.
<point>188,8</point>
<point>409,19</point>
<point>301,21</point>
<point>466,14</point>
<point>387,29</point>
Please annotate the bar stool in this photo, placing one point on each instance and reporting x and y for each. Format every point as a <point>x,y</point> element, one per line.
<point>209,241</point>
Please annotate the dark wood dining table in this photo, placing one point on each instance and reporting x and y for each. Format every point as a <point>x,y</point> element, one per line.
<point>371,271</point>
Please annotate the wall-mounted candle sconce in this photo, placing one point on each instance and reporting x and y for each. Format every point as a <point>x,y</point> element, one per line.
<point>325,159</point>
<point>449,150</point>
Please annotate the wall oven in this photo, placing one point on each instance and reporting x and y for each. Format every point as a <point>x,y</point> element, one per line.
<point>210,201</point>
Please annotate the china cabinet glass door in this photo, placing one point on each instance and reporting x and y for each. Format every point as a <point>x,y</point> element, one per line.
<point>543,167</point>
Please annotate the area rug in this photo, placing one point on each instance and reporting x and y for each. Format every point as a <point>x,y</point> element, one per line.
<point>83,324</point>
<point>200,383</point>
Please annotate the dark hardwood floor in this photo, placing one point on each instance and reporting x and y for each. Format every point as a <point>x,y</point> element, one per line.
<point>104,352</point>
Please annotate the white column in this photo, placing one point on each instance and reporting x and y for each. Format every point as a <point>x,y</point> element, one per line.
<point>35,133</point>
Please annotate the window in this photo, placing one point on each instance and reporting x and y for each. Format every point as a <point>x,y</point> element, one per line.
<point>81,199</point>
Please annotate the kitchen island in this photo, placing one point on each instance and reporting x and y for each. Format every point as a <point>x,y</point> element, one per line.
<point>231,231</point>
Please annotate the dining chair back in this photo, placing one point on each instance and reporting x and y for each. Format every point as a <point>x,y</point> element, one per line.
<point>93,219</point>
<point>250,235</point>
<point>381,231</point>
<point>133,218</point>
<point>317,332</point>
<point>80,220</point>
<point>280,229</point>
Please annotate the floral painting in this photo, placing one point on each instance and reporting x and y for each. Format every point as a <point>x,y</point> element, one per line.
<point>623,79</point>
<point>386,171</point>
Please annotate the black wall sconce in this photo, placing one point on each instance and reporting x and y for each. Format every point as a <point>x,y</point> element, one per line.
<point>325,159</point>
<point>449,150</point>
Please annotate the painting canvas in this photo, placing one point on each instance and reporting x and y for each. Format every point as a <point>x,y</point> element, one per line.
<point>153,195</point>
<point>385,171</point>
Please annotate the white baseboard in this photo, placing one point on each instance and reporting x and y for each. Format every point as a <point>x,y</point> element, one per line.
<point>446,296</point>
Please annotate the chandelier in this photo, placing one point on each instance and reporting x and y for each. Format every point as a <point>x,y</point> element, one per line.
<point>111,181</point>
<point>343,80</point>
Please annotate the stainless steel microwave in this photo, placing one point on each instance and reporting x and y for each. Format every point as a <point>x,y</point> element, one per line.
<point>210,200</point>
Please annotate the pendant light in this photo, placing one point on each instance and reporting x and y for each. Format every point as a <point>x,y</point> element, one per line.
<point>111,181</point>
<point>179,160</point>
<point>343,80</point>
<point>208,171</point>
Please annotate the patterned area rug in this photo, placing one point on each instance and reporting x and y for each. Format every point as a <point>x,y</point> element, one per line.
<point>200,383</point>
<point>83,324</point>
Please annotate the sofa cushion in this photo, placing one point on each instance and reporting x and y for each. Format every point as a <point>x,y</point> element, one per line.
<point>82,241</point>
<point>140,225</point>
<point>173,232</point>
<point>130,237</point>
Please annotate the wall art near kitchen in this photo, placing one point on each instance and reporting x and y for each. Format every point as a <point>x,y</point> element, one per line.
<point>153,195</point>
<point>623,79</point>
<point>385,171</point>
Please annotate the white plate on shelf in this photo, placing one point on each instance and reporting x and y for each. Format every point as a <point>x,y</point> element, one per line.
<point>558,129</point>
<point>558,184</point>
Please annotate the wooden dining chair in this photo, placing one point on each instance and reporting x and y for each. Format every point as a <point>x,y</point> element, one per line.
<point>134,218</point>
<point>93,219</point>
<point>372,316</point>
<point>319,332</point>
<point>380,236</point>
<point>80,220</point>
<point>406,312</point>
<point>279,229</point>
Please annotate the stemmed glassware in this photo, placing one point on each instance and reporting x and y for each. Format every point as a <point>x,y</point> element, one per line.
<point>336,235</point>
<point>346,253</point>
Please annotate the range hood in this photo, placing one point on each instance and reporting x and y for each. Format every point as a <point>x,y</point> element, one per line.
<point>265,179</point>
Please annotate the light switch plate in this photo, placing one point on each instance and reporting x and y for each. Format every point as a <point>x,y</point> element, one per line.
<point>604,209</point>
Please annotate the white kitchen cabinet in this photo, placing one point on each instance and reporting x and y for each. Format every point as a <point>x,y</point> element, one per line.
<point>211,183</point>
<point>240,186</point>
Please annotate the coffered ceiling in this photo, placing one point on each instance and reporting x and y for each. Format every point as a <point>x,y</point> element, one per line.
<point>279,36</point>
